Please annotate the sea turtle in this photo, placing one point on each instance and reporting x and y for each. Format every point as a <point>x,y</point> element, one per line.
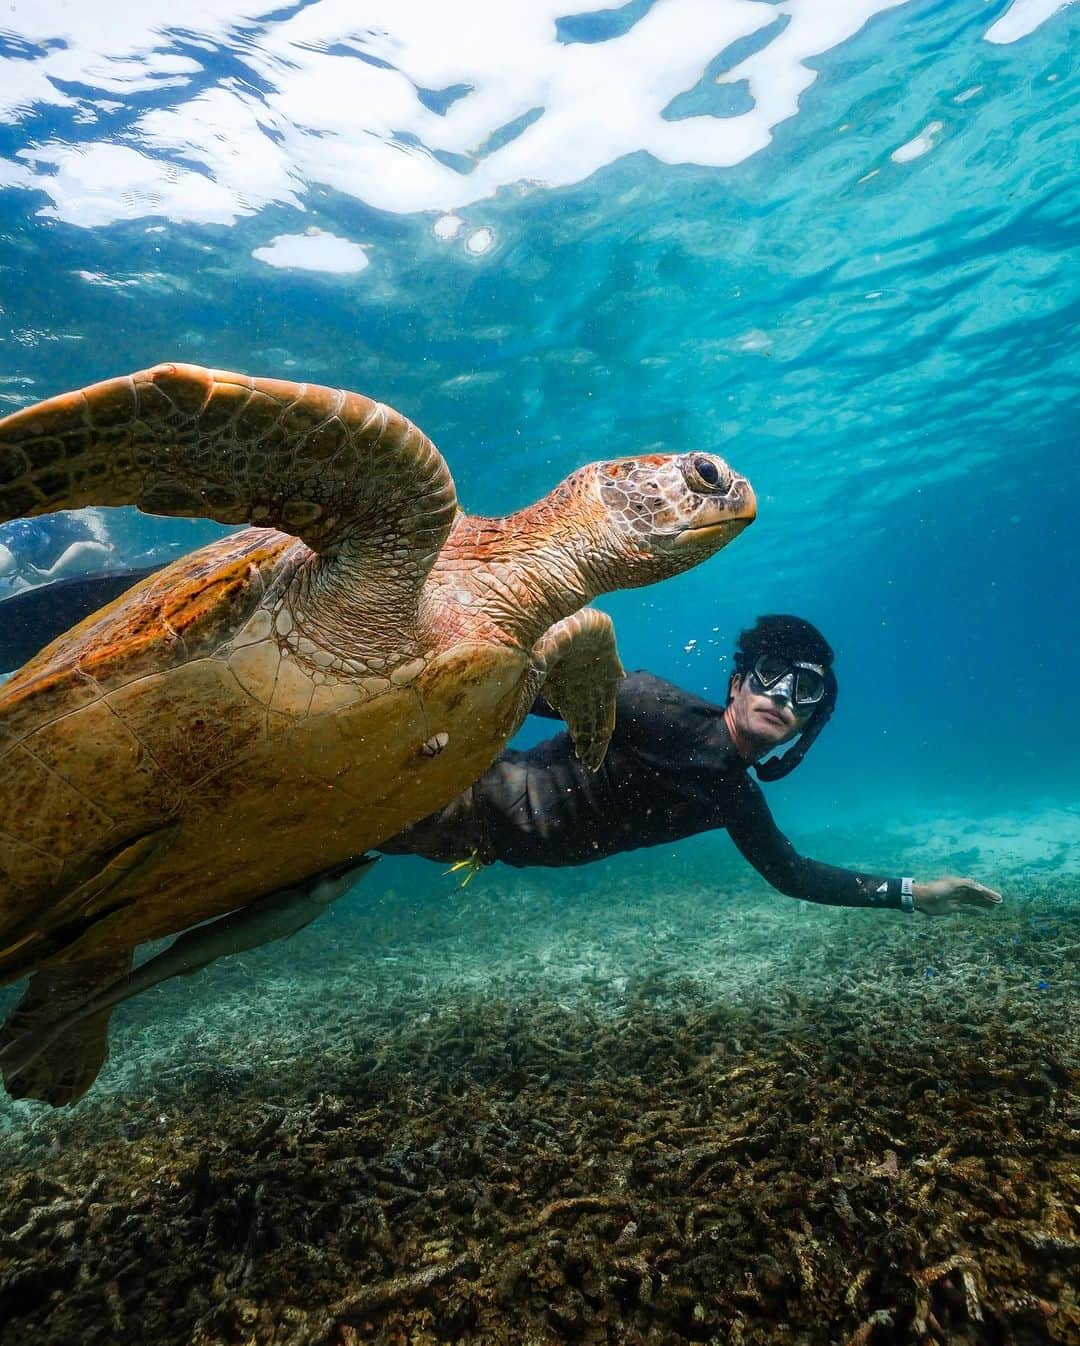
<point>282,700</point>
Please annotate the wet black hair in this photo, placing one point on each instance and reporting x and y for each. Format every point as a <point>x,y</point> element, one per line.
<point>791,638</point>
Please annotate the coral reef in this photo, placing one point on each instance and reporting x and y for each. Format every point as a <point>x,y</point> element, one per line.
<point>524,1114</point>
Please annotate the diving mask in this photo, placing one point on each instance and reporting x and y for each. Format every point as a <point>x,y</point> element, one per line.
<point>802,684</point>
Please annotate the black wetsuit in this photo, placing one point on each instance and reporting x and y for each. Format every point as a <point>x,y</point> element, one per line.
<point>33,617</point>
<point>670,771</point>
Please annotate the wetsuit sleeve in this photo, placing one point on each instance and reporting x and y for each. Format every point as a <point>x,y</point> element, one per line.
<point>755,833</point>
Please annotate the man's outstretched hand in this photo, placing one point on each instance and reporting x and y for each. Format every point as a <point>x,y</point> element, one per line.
<point>942,897</point>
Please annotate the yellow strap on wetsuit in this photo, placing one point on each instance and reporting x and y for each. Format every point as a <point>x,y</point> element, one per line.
<point>472,864</point>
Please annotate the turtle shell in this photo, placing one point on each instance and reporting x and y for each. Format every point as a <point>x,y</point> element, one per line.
<point>175,756</point>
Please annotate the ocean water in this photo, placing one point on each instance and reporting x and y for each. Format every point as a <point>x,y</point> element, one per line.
<point>648,1099</point>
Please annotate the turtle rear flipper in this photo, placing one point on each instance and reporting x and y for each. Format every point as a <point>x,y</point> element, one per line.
<point>55,1041</point>
<point>62,1073</point>
<point>77,910</point>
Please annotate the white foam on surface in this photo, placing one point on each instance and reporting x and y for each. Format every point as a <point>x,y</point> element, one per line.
<point>339,101</point>
<point>1022,18</point>
<point>101,183</point>
<point>314,250</point>
<point>15,175</point>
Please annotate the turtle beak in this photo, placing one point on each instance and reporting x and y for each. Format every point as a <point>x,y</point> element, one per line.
<point>721,518</point>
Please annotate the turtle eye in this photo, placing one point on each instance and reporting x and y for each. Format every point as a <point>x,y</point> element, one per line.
<point>707,474</point>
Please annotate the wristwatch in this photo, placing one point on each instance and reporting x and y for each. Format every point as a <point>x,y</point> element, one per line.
<point>907,897</point>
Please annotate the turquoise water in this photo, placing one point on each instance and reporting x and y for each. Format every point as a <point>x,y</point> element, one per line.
<point>837,245</point>
<point>888,349</point>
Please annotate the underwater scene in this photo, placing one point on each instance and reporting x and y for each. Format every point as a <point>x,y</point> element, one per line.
<point>539,648</point>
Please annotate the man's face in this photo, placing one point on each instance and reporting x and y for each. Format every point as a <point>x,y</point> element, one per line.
<point>768,718</point>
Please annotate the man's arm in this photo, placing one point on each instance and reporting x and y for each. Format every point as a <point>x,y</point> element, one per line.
<point>757,836</point>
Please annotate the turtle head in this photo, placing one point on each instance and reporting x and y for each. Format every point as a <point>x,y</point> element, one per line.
<point>666,512</point>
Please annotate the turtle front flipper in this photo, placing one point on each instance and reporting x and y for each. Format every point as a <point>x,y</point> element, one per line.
<point>76,1054</point>
<point>330,467</point>
<point>582,674</point>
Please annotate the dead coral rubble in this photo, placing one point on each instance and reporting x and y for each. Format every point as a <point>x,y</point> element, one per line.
<point>820,1175</point>
<point>608,1121</point>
